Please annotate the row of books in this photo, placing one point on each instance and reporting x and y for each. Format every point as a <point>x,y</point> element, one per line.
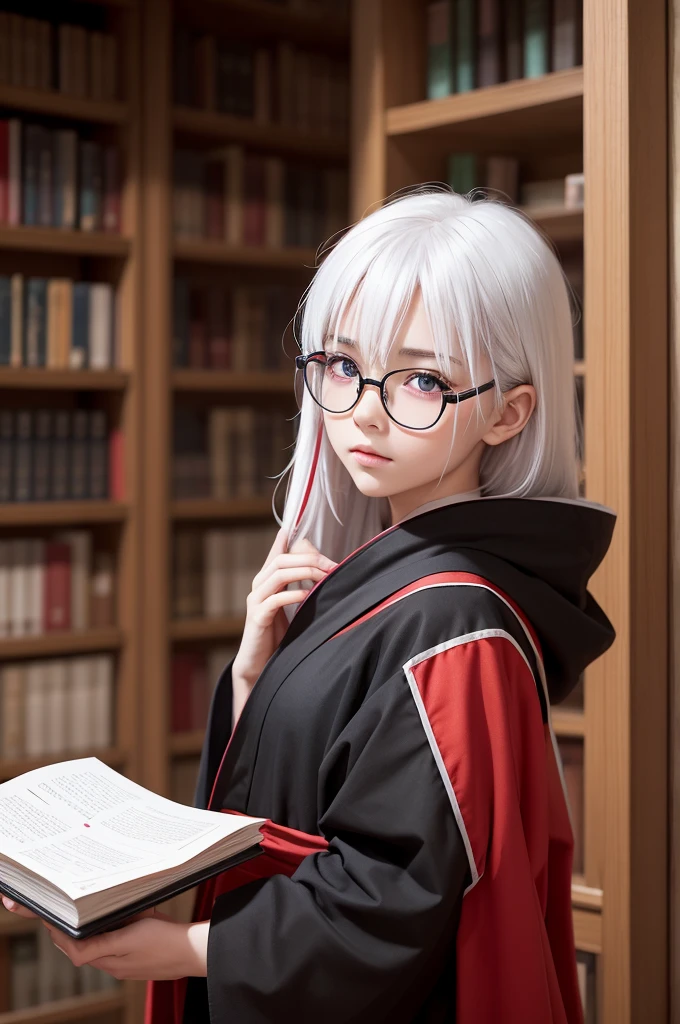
<point>39,973</point>
<point>229,452</point>
<point>56,706</point>
<point>55,583</point>
<point>56,322</point>
<point>467,171</point>
<point>194,675</point>
<point>287,85</point>
<point>571,752</point>
<point>213,570</point>
<point>237,327</point>
<point>476,43</point>
<point>53,178</point>
<point>59,455</point>
<point>337,8</point>
<point>244,198</point>
<point>38,54</point>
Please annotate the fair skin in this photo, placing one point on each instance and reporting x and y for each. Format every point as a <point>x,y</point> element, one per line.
<point>152,946</point>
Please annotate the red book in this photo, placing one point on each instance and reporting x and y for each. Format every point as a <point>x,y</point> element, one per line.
<point>4,172</point>
<point>219,329</point>
<point>254,200</point>
<point>214,199</point>
<point>181,676</point>
<point>116,465</point>
<point>111,213</point>
<point>198,330</point>
<point>57,590</point>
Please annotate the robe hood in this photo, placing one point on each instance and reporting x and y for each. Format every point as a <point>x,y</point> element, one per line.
<point>541,552</point>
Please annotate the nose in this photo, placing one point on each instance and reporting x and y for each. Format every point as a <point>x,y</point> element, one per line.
<point>369,408</point>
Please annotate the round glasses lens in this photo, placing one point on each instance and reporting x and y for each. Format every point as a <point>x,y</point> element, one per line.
<point>415,398</point>
<point>334,382</point>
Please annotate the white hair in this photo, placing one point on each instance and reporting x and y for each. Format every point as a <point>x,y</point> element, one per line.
<point>484,272</point>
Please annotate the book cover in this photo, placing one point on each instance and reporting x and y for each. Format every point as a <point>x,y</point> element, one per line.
<point>536,38</point>
<point>567,34</point>
<point>57,590</point>
<point>465,30</point>
<point>440,77</point>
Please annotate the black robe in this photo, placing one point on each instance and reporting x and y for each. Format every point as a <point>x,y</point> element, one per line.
<point>381,724</point>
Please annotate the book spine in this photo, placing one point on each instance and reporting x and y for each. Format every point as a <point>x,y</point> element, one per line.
<point>5,593</point>
<point>440,80</point>
<point>32,146</point>
<point>536,38</point>
<point>42,455</point>
<point>5,321</point>
<point>80,476</point>
<point>14,193</point>
<point>36,710</point>
<point>36,586</point>
<point>57,591</point>
<point>102,612</point>
<point>79,354</point>
<point>101,724</point>
<point>35,328</point>
<point>45,178</point>
<point>61,462</point>
<point>79,700</point>
<point>98,456</point>
<point>180,321</point>
<point>13,711</point>
<point>112,198</point>
<point>117,488</point>
<point>23,456</point>
<point>4,171</point>
<point>7,420</point>
<point>100,323</point>
<point>56,736</point>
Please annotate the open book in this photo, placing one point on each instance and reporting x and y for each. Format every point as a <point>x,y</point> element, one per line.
<point>85,848</point>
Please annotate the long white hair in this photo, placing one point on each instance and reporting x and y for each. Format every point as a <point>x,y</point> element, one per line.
<point>484,272</point>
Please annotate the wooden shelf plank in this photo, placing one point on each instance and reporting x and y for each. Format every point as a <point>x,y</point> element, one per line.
<point>58,512</point>
<point>511,113</point>
<point>9,769</point>
<point>47,378</point>
<point>209,124</point>
<point>63,240</point>
<point>64,1011</point>
<point>560,223</point>
<point>186,744</point>
<point>60,643</point>
<point>278,20</point>
<point>587,930</point>
<point>199,250</point>
<point>568,723</point>
<point>585,896</point>
<point>43,101</point>
<point>228,628</point>
<point>231,381</point>
<point>214,508</point>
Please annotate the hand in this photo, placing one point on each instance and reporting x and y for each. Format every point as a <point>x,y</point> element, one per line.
<point>266,621</point>
<point>152,947</point>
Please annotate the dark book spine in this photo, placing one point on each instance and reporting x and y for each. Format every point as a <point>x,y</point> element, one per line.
<point>35,324</point>
<point>98,456</point>
<point>32,142</point>
<point>5,321</point>
<point>42,488</point>
<point>45,178</point>
<point>23,456</point>
<point>61,465</point>
<point>180,322</point>
<point>79,355</point>
<point>6,455</point>
<point>80,483</point>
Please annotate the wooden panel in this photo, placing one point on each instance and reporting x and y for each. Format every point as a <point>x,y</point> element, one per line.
<point>57,513</point>
<point>626,444</point>
<point>588,931</point>
<point>60,643</point>
<point>200,250</point>
<point>60,105</point>
<point>274,138</point>
<point>367,167</point>
<point>83,243</point>
<point>48,379</point>
<point>674,714</point>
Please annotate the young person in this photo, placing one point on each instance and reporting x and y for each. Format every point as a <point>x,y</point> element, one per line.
<point>396,731</point>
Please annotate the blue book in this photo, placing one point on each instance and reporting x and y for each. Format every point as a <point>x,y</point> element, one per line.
<point>5,321</point>
<point>536,38</point>
<point>35,322</point>
<point>440,76</point>
<point>462,172</point>
<point>466,45</point>
<point>80,331</point>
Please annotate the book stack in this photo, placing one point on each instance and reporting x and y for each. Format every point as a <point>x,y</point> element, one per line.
<point>57,322</point>
<point>229,452</point>
<point>194,675</point>
<point>39,973</point>
<point>56,706</point>
<point>52,178</point>
<point>37,54</point>
<point>232,328</point>
<point>59,455</point>
<point>244,198</point>
<point>54,584</point>
<point>468,171</point>
<point>476,43</point>
<point>571,752</point>
<point>213,570</point>
<point>305,90</point>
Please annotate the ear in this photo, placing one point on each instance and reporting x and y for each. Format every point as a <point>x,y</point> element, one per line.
<point>518,406</point>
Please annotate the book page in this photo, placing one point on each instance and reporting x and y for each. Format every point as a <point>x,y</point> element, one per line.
<point>85,827</point>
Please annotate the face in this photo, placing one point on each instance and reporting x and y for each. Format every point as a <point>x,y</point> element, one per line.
<point>407,464</point>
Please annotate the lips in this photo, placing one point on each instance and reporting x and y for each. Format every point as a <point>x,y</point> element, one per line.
<point>369,451</point>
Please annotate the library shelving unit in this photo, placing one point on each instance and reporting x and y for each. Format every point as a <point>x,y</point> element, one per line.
<point>169,125</point>
<point>606,118</point>
<point>117,259</point>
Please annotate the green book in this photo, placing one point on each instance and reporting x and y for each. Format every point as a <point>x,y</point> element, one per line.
<point>440,79</point>
<point>462,172</point>
<point>536,38</point>
<point>466,41</point>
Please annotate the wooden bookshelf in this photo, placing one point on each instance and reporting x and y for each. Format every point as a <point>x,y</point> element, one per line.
<point>607,118</point>
<point>206,629</point>
<point>205,251</point>
<point>228,509</point>
<point>227,382</point>
<point>207,124</point>
<point>116,259</point>
<point>58,104</point>
<point>272,21</point>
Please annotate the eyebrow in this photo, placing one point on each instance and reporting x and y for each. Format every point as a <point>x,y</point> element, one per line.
<point>402,351</point>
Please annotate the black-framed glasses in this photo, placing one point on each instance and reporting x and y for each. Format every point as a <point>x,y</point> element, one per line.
<point>414,397</point>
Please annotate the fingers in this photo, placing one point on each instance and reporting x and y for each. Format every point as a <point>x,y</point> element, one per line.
<point>280,578</point>
<point>279,545</point>
<point>17,908</point>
